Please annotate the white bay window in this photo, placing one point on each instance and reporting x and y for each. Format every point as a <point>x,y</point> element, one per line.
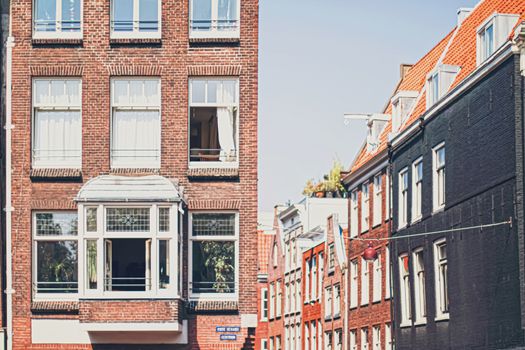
<point>135,19</point>
<point>214,18</point>
<point>57,19</point>
<point>135,137</point>
<point>57,123</point>
<point>214,106</point>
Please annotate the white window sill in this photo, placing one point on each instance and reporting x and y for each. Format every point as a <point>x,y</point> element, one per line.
<point>215,34</point>
<point>56,297</point>
<point>135,35</point>
<point>417,219</point>
<point>421,322</point>
<point>119,165</point>
<point>375,301</point>
<point>443,317</point>
<point>58,35</point>
<point>438,210</point>
<point>402,226</point>
<point>405,324</point>
<point>364,304</point>
<point>200,165</point>
<point>41,165</point>
<point>214,297</point>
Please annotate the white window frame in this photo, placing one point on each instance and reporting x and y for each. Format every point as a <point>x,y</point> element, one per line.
<point>58,33</point>
<point>264,344</point>
<point>331,257</point>
<point>354,217</point>
<point>329,340</point>
<point>354,283</point>
<point>365,282</point>
<point>376,337</point>
<point>404,292</point>
<point>279,299</point>
<point>307,281</point>
<point>49,164</point>
<point>417,191</point>
<point>441,289</point>
<point>485,52</point>
<point>314,282</point>
<point>328,302</point>
<point>307,336</point>
<point>136,33</point>
<point>378,200</point>
<point>388,195</point>
<point>364,338</point>
<point>436,189</point>
<point>389,344</point>
<point>313,333</point>
<point>388,274</point>
<point>440,79</point>
<point>402,213</point>
<point>365,207</point>
<point>116,163</point>
<point>338,339</point>
<point>234,105</point>
<point>337,300</point>
<point>235,239</point>
<point>272,302</point>
<point>353,339</point>
<point>320,275</point>
<point>264,308</point>
<point>214,32</point>
<point>419,286</point>
<point>377,275</point>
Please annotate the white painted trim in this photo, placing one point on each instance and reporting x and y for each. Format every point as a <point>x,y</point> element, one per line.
<point>414,215</point>
<point>214,33</point>
<point>131,326</point>
<point>418,303</point>
<point>439,315</point>
<point>58,33</point>
<point>136,34</point>
<point>402,221</point>
<point>438,207</point>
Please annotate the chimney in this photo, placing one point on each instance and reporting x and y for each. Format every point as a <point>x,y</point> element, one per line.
<point>463,13</point>
<point>403,69</point>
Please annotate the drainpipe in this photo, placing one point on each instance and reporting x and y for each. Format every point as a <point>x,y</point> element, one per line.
<point>8,209</point>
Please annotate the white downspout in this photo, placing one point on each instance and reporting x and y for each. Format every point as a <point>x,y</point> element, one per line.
<point>8,209</point>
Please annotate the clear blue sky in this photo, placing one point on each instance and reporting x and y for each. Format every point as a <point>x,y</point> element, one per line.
<point>322,58</point>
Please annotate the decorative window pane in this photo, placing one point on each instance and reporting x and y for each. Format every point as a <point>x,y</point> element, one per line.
<point>164,264</point>
<point>164,219</point>
<point>56,224</point>
<point>57,267</point>
<point>207,224</point>
<point>91,220</point>
<point>91,264</point>
<point>127,219</point>
<point>213,267</point>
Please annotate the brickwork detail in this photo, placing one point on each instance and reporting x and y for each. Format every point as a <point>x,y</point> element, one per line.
<point>219,70</point>
<point>56,70</point>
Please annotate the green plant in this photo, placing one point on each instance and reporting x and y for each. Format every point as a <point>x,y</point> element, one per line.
<point>331,182</point>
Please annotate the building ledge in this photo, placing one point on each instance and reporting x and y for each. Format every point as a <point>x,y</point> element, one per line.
<point>134,171</point>
<point>136,41</point>
<point>48,174</point>
<point>213,173</point>
<point>212,41</point>
<point>131,326</point>
<point>212,306</point>
<point>55,307</point>
<point>56,42</point>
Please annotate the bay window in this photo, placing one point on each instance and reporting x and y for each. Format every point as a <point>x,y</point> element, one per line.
<point>55,250</point>
<point>214,255</point>
<point>214,18</point>
<point>214,106</point>
<point>135,19</point>
<point>57,19</point>
<point>135,136</point>
<point>57,123</point>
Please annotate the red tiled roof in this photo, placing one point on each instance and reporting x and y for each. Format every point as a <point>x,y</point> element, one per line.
<point>264,241</point>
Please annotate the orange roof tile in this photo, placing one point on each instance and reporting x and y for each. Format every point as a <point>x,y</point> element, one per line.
<point>264,241</point>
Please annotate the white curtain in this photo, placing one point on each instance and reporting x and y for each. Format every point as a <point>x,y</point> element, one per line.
<point>58,138</point>
<point>226,133</point>
<point>136,138</point>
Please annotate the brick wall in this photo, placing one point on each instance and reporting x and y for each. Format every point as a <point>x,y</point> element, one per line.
<point>311,311</point>
<point>95,59</point>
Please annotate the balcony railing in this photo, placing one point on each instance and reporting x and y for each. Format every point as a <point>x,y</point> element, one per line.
<point>127,283</point>
<point>55,287</point>
<point>135,26</point>
<point>212,155</point>
<point>63,157</point>
<point>213,287</point>
<point>51,25</point>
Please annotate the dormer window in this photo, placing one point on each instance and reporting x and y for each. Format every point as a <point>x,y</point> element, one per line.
<point>492,34</point>
<point>376,124</point>
<point>402,104</point>
<point>439,82</point>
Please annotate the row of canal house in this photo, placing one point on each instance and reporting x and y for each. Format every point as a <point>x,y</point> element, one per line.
<point>437,193</point>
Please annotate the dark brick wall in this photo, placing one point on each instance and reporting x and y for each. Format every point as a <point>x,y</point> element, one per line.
<point>483,265</point>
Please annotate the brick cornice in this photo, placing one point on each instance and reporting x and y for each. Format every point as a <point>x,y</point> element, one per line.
<point>218,70</point>
<point>133,70</point>
<point>55,70</point>
<point>214,204</point>
<point>45,204</point>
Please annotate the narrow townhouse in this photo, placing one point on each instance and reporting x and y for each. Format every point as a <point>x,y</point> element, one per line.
<point>131,200</point>
<point>457,187</point>
<point>333,285</point>
<point>265,238</point>
<point>312,269</point>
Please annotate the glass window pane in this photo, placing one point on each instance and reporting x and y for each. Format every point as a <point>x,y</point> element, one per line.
<point>136,92</point>
<point>198,91</point>
<point>127,219</point>
<point>57,267</point>
<point>213,224</point>
<point>122,15</point>
<point>228,91</point>
<point>201,15</point>
<point>120,93</point>
<point>91,220</point>
<point>71,15</point>
<point>227,14</point>
<point>58,93</point>
<point>213,87</point>
<point>213,267</point>
<point>45,15</point>
<point>164,264</point>
<point>164,219</point>
<point>91,263</point>
<point>151,92</point>
<point>41,91</point>
<point>73,92</point>
<point>148,15</point>
<point>57,224</point>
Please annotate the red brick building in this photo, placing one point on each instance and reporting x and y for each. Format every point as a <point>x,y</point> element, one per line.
<point>134,184</point>
<point>313,261</point>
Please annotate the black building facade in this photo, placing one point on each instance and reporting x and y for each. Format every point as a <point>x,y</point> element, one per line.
<point>482,133</point>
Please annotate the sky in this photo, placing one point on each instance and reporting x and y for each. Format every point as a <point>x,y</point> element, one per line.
<point>319,59</point>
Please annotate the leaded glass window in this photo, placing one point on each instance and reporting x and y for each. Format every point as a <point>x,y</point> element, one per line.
<point>127,219</point>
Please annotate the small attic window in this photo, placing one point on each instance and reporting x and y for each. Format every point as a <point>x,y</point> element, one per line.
<point>402,103</point>
<point>376,124</point>
<point>439,82</point>
<point>492,34</point>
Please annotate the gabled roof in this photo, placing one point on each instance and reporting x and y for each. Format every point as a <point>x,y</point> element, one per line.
<point>264,245</point>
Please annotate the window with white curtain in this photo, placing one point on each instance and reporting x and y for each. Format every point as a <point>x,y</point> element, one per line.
<point>279,304</point>
<point>376,292</point>
<point>272,300</point>
<point>338,339</point>
<point>419,286</point>
<point>328,340</point>
<point>214,125</point>
<point>404,283</point>
<point>403,198</point>
<point>353,214</point>
<point>376,337</point>
<point>138,19</point>
<point>264,304</point>
<point>378,202</point>
<point>388,273</point>
<point>364,339</point>
<point>365,282</point>
<point>353,339</point>
<point>307,281</point>
<point>214,18</point>
<point>306,336</point>
<point>57,123</point>
<point>354,280</point>
<point>365,207</point>
<point>337,300</point>
<point>54,19</point>
<point>441,278</point>
<point>314,279</point>
<point>389,345</point>
<point>438,181</point>
<point>320,334</point>
<point>314,335</point>
<point>321,275</point>
<point>135,124</point>
<point>417,189</point>
<point>328,303</point>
